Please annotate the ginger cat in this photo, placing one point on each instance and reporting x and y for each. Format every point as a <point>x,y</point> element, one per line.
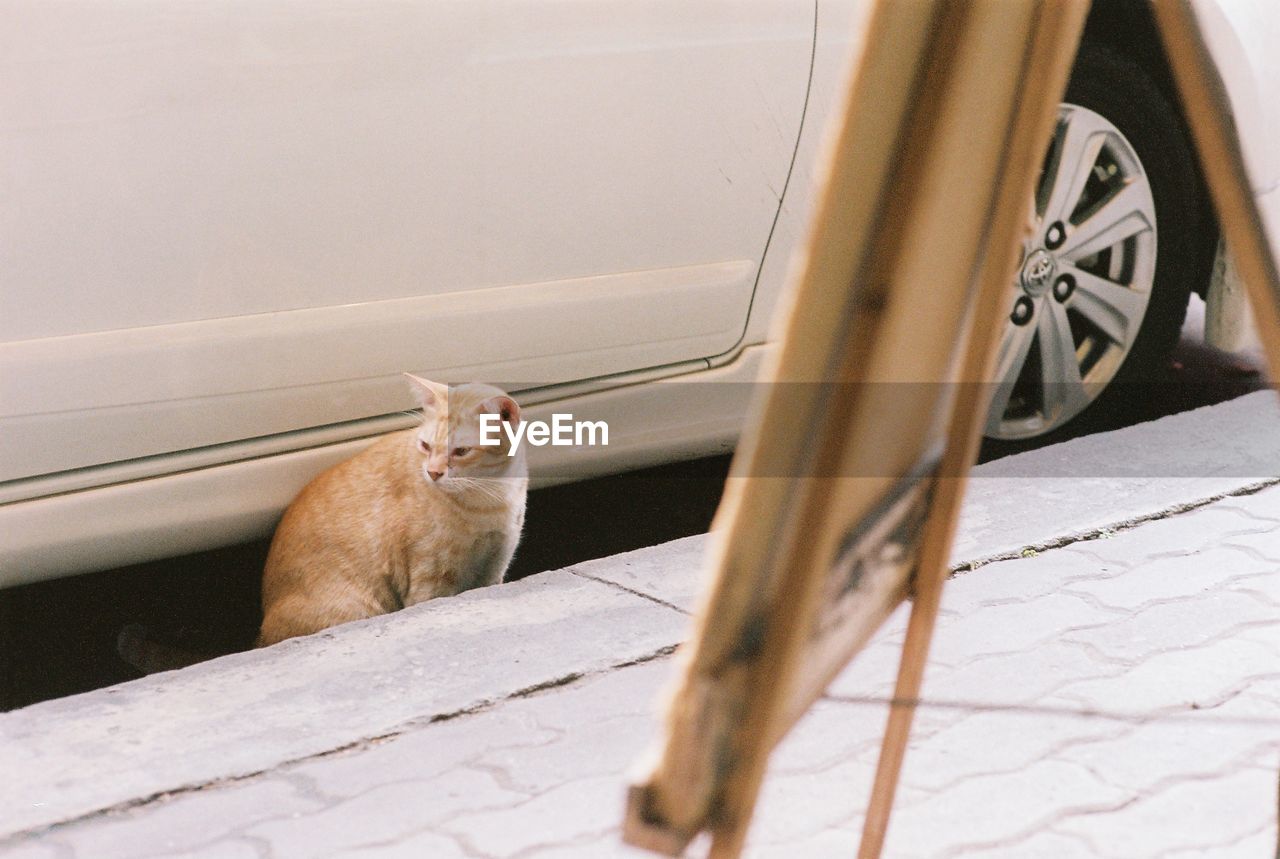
<point>423,513</point>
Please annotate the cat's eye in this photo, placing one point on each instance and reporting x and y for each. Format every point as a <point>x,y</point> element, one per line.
<point>461,451</point>
<point>423,446</point>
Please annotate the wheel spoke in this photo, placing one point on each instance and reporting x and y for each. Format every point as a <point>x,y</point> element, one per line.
<point>1102,233</point>
<point>1059,368</point>
<point>1117,310</point>
<point>1014,347</point>
<point>1125,214</point>
<point>1080,143</point>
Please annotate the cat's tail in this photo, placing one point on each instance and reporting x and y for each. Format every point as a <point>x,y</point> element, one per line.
<point>136,647</point>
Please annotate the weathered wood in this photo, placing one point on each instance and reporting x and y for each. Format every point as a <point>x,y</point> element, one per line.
<point>1055,33</point>
<point>818,533</point>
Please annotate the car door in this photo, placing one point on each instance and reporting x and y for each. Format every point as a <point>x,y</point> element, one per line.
<point>229,220</point>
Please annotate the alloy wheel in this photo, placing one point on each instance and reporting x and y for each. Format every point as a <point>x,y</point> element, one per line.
<point>1082,290</point>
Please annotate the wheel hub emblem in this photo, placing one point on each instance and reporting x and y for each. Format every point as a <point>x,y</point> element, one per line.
<point>1037,272</point>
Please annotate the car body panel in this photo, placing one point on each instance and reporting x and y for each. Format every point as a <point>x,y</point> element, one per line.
<point>1242,36</point>
<point>255,376</point>
<point>635,285</point>
<point>206,504</point>
<point>835,40</point>
<point>248,217</point>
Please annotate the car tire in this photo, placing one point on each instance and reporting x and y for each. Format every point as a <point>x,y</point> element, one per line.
<point>1126,95</point>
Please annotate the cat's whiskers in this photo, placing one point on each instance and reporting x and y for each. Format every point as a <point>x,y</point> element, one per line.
<point>490,488</point>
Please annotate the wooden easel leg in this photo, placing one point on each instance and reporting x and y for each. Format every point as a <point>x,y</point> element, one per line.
<point>942,89</point>
<point>967,419</point>
<point>915,653</point>
<point>1052,48</point>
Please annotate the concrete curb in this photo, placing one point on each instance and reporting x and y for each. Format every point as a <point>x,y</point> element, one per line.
<point>248,713</point>
<point>1113,480</point>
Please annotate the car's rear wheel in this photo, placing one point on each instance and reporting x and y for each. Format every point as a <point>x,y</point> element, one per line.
<point>1103,286</point>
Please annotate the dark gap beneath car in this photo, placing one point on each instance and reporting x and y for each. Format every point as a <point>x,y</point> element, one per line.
<point>58,638</point>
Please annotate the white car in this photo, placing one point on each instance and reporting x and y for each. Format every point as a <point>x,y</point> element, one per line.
<point>229,227</point>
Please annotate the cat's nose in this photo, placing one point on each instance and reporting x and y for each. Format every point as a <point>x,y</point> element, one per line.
<point>435,475</point>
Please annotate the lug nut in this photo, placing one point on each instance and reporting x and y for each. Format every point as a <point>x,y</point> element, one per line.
<point>1055,236</point>
<point>1063,287</point>
<point>1022,310</point>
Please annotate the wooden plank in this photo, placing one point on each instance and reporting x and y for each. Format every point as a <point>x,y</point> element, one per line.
<point>1051,51</point>
<point>817,536</point>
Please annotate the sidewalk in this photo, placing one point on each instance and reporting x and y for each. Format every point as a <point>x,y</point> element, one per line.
<point>1111,689</point>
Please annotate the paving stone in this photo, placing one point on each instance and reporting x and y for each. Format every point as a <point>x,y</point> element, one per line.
<point>965,749</point>
<point>34,850</point>
<point>600,727</point>
<point>992,811</point>
<point>1026,677</point>
<point>1042,845</point>
<point>1021,579</point>
<point>236,848</point>
<point>593,748</point>
<point>800,800</point>
<point>797,825</point>
<point>185,822</point>
<point>1099,480</point>
<point>671,572</point>
<point>1012,628</point>
<point>386,813</point>
<point>250,711</point>
<point>1171,578</point>
<point>1142,757</point>
<point>1003,515</point>
<point>1262,843</point>
<point>797,808</point>
<point>1263,505</point>
<point>829,734</point>
<point>580,809</point>
<point>1193,813</point>
<point>1265,545</point>
<point>420,754</point>
<point>833,843</point>
<point>635,691</point>
<point>1263,586</point>
<point>508,757</point>
<point>420,845</point>
<point>871,674</point>
<point>1181,534</point>
<point>1182,679</point>
<point>1171,625</point>
<point>608,846</point>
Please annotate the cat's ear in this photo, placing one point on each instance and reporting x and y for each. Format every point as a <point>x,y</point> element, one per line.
<point>430,394</point>
<point>504,407</point>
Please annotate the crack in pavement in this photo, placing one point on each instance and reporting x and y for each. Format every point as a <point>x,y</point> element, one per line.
<point>16,838</point>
